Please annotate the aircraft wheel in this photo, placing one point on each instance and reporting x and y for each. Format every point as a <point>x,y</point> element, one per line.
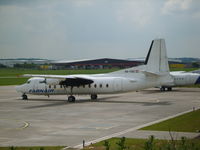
<point>162,89</point>
<point>93,96</point>
<point>24,97</point>
<point>169,89</point>
<point>71,99</point>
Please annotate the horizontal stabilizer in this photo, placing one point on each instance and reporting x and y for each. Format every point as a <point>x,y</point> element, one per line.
<point>148,73</point>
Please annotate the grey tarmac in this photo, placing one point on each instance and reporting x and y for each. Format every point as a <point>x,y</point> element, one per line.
<point>43,121</point>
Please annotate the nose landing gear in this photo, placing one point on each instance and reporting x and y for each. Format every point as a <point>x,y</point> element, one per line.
<point>24,97</point>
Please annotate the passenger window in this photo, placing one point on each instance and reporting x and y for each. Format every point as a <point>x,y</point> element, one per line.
<point>49,86</point>
<point>89,85</point>
<point>95,85</point>
<point>107,85</point>
<point>100,85</point>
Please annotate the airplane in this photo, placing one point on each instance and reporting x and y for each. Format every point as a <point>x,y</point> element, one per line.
<point>182,78</point>
<point>196,71</point>
<point>154,72</point>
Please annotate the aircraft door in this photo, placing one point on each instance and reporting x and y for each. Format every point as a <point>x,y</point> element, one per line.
<point>34,85</point>
<point>117,83</point>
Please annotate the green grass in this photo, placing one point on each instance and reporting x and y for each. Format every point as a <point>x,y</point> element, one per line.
<point>136,143</point>
<point>12,81</point>
<point>10,76</point>
<point>141,144</point>
<point>33,148</point>
<point>189,122</point>
<point>17,72</point>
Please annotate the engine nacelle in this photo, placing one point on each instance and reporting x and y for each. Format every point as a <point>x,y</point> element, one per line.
<point>52,81</point>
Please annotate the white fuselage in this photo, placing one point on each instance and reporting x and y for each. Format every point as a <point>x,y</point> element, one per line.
<point>185,78</point>
<point>103,84</point>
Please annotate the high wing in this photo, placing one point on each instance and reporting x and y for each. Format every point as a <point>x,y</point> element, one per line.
<point>68,80</point>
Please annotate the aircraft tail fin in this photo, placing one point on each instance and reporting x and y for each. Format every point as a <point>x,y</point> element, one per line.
<point>157,61</point>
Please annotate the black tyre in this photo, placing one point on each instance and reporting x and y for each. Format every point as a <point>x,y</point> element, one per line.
<point>71,99</point>
<point>93,96</point>
<point>162,89</point>
<point>24,97</point>
<point>169,88</point>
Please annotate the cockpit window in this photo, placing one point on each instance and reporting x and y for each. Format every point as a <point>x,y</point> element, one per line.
<point>29,81</point>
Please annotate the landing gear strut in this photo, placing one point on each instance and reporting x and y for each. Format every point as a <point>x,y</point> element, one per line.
<point>93,96</point>
<point>24,97</point>
<point>71,99</point>
<point>162,89</point>
<point>168,89</point>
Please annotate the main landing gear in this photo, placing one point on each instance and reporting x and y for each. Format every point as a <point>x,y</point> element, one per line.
<point>72,98</point>
<point>24,97</point>
<point>162,89</point>
<point>93,96</point>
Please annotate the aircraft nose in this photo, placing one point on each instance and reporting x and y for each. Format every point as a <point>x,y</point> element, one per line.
<point>18,88</point>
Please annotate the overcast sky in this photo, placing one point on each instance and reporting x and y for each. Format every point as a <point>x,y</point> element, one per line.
<point>88,29</point>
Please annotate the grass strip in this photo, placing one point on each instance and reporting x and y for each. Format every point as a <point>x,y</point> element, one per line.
<point>145,144</point>
<point>32,148</point>
<point>189,122</point>
<point>12,81</point>
<point>11,76</point>
<point>16,72</point>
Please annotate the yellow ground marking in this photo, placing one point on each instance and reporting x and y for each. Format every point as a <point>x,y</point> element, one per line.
<point>25,124</point>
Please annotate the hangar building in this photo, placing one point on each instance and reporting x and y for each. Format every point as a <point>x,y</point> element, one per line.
<point>107,63</point>
<point>103,63</point>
